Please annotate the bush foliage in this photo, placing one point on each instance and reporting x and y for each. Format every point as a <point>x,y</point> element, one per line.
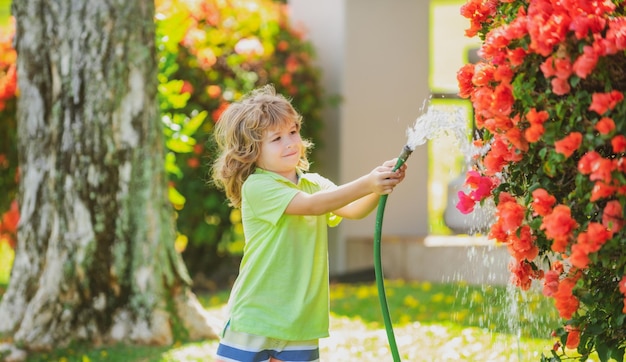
<point>211,52</point>
<point>551,123</point>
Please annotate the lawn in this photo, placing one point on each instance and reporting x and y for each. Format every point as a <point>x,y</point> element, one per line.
<point>443,322</point>
<point>432,322</point>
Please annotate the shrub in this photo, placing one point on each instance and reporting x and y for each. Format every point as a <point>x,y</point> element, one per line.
<point>549,110</point>
<point>210,53</point>
<point>213,52</point>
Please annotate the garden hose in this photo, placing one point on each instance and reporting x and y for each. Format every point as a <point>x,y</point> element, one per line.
<point>378,268</point>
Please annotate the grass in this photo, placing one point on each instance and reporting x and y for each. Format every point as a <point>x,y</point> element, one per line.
<point>432,321</point>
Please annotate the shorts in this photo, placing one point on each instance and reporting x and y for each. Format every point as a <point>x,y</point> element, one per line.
<point>244,347</point>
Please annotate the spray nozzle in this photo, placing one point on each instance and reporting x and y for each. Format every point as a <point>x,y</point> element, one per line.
<point>404,155</point>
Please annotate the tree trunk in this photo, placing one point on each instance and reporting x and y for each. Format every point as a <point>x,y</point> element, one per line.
<point>95,259</point>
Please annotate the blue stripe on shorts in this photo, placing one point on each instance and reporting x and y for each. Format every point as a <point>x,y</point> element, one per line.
<point>244,347</point>
<point>240,355</point>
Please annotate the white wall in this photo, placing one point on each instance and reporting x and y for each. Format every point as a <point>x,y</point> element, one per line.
<point>374,53</point>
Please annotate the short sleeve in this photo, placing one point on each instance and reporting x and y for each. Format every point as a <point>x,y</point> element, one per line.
<point>266,197</point>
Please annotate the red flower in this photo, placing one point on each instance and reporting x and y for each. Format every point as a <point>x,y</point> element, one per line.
<point>516,56</point>
<point>603,102</point>
<point>583,24</point>
<point>616,35</point>
<point>11,218</point>
<point>619,143</point>
<point>573,337</point>
<point>547,26</point>
<point>558,226</point>
<point>601,169</point>
<point>483,74</point>
<point>8,83</point>
<point>511,215</point>
<point>193,162</point>
<point>585,164</point>
<point>503,99</point>
<point>569,144</point>
<point>598,235</point>
<point>601,190</point>
<point>613,216</point>
<point>547,67</point>
<point>218,112</point>
<point>580,256</point>
<point>515,137</point>
<point>550,283</point>
<point>535,117</point>
<point>560,86</point>
<point>497,233</point>
<point>522,274</point>
<point>588,242</point>
<point>542,202</point>
<point>464,78</point>
<point>605,125</point>
<point>534,132</point>
<point>285,79</point>
<point>478,12</point>
<point>187,88</point>
<point>586,62</point>
<point>622,285</point>
<point>565,301</point>
<point>522,247</point>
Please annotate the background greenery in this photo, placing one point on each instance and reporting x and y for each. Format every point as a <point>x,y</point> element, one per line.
<point>210,54</point>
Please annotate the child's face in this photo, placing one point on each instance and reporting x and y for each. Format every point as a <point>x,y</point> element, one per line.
<point>281,150</point>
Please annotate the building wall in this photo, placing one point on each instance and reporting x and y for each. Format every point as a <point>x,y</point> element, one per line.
<point>374,54</point>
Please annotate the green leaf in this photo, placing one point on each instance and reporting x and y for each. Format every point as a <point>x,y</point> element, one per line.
<point>180,145</point>
<point>190,127</point>
<point>175,197</point>
<point>171,167</point>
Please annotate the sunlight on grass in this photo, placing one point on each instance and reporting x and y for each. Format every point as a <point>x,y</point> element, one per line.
<point>432,322</point>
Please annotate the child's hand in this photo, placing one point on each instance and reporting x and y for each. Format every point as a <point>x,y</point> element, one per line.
<point>384,180</point>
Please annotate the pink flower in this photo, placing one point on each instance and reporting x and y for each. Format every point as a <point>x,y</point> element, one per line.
<point>481,185</point>
<point>466,203</point>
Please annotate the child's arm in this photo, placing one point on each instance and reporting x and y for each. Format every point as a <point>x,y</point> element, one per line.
<point>363,190</point>
<point>364,206</point>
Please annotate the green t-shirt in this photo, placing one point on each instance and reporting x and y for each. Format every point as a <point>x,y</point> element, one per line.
<point>282,288</point>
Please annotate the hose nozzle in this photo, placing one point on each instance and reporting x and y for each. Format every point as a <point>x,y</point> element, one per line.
<point>404,155</point>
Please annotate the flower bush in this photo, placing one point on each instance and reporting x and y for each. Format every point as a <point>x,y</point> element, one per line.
<point>550,120</point>
<point>211,52</point>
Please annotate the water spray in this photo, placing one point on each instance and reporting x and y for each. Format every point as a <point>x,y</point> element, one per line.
<point>426,127</point>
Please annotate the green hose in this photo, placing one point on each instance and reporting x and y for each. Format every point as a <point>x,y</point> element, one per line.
<point>378,268</point>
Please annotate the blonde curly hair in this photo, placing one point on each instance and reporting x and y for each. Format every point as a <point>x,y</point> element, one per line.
<point>239,133</point>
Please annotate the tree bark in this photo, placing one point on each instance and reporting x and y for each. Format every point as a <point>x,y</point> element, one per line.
<point>95,260</point>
